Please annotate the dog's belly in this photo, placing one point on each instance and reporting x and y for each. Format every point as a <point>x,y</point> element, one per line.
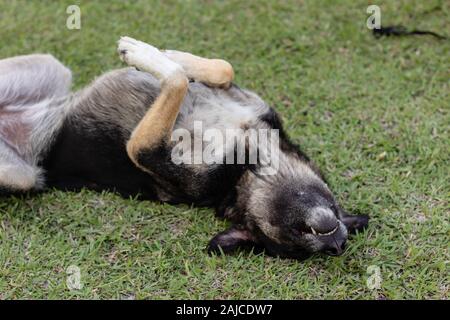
<point>14,130</point>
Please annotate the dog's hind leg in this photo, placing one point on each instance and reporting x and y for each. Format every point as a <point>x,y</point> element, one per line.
<point>213,72</point>
<point>32,78</point>
<point>31,90</point>
<point>15,174</point>
<point>155,129</point>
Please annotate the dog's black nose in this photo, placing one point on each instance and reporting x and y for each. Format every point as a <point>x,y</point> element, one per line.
<point>335,247</point>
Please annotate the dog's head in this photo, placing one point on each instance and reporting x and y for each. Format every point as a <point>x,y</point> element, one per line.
<point>292,214</point>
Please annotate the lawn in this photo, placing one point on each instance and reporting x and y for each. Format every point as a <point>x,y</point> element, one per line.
<point>373,114</point>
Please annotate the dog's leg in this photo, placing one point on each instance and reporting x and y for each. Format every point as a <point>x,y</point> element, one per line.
<point>213,72</point>
<point>15,174</point>
<point>155,128</point>
<point>31,79</point>
<point>18,178</point>
<point>28,86</point>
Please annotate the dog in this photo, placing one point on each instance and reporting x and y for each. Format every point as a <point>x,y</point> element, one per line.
<point>116,135</point>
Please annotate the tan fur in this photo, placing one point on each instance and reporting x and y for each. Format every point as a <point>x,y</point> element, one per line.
<point>157,124</point>
<point>213,72</point>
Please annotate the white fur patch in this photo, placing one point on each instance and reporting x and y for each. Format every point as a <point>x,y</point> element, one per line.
<point>19,177</point>
<point>147,58</point>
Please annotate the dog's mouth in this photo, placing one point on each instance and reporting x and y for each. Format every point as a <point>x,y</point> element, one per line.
<point>317,233</point>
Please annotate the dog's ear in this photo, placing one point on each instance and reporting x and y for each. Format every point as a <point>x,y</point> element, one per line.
<point>232,239</point>
<point>354,223</point>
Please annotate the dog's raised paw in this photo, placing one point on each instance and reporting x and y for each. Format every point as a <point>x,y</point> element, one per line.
<point>130,50</point>
<point>145,57</point>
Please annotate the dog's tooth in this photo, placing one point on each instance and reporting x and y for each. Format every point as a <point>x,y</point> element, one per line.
<point>328,233</point>
<point>313,231</point>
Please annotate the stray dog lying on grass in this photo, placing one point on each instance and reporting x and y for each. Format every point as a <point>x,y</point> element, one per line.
<point>118,134</point>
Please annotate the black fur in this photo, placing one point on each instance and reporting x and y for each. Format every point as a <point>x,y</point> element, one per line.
<point>209,189</point>
<point>95,161</point>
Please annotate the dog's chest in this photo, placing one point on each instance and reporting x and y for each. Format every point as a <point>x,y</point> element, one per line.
<point>216,118</point>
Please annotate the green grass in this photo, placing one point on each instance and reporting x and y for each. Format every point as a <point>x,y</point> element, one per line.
<point>374,114</point>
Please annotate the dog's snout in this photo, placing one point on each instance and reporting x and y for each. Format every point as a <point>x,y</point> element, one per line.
<point>335,247</point>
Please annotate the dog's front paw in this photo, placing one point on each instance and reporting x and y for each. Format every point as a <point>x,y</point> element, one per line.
<point>135,52</point>
<point>146,57</point>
